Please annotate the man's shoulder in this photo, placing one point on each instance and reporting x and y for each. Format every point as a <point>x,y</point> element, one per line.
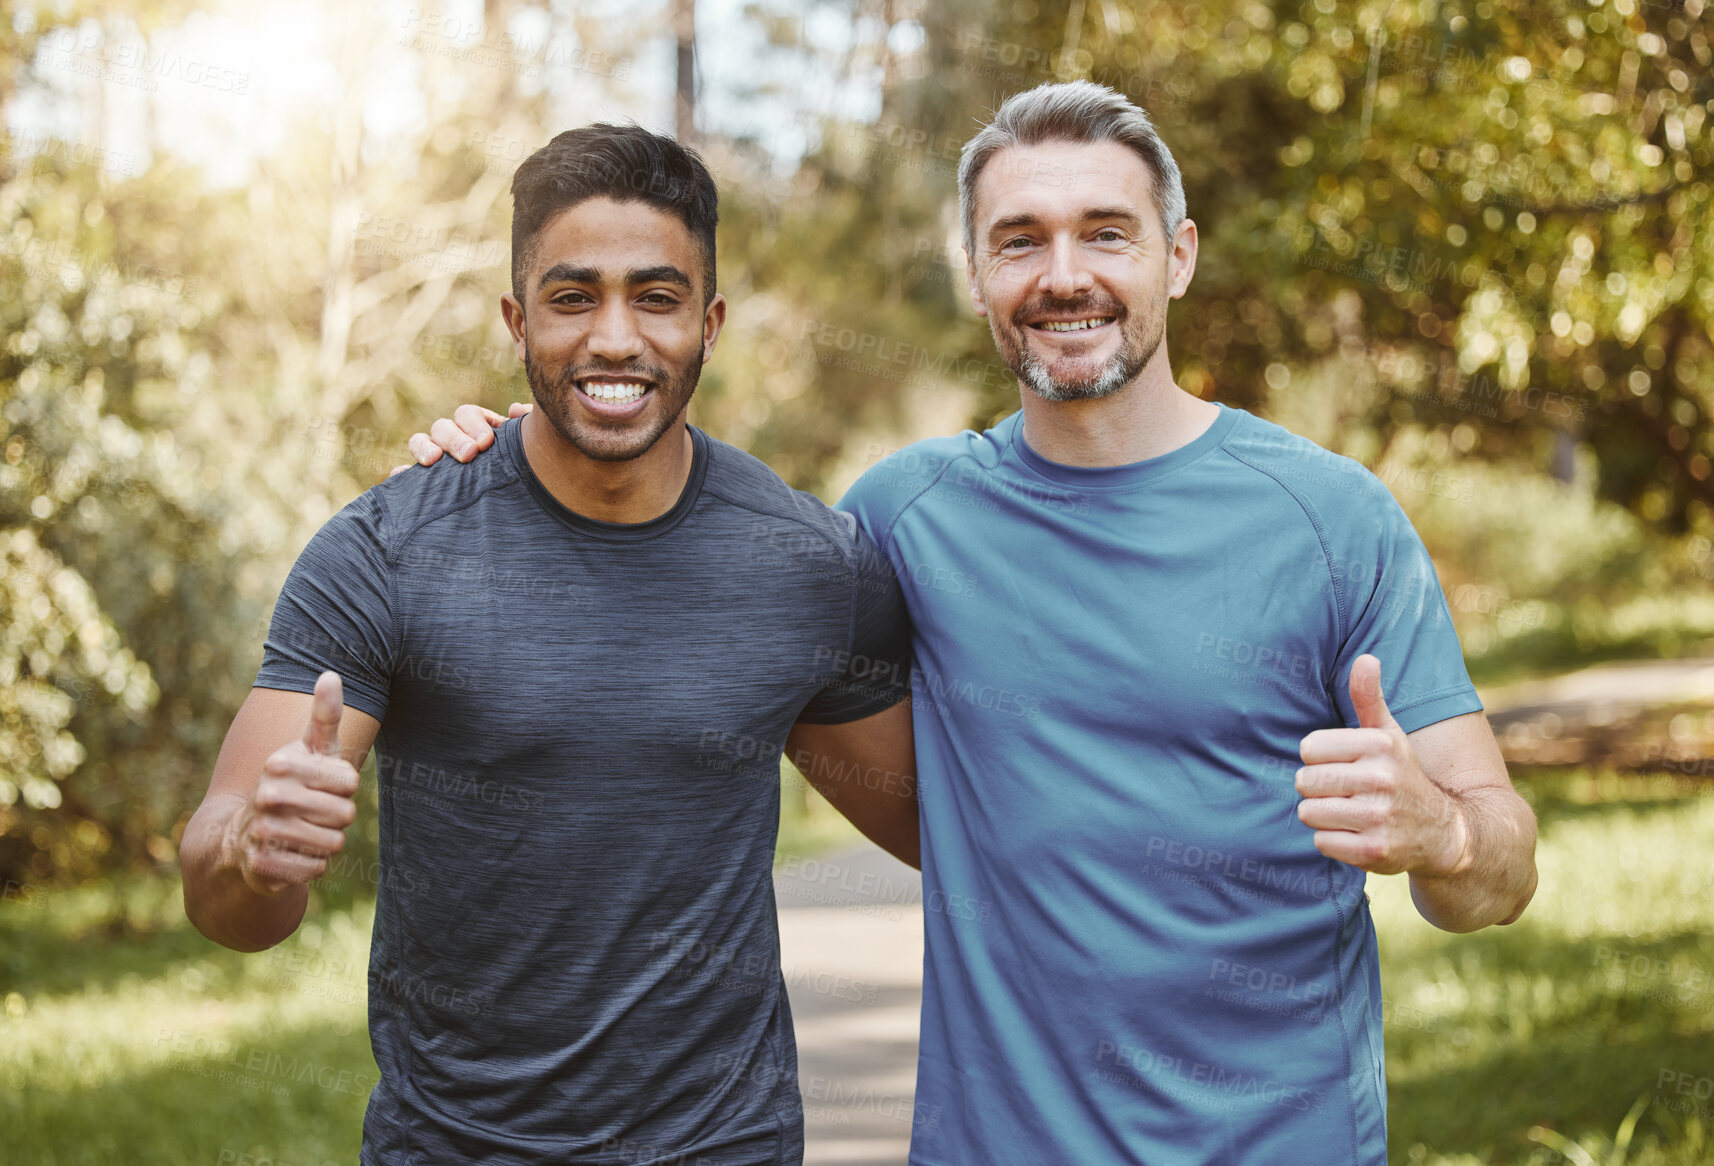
<point>406,502</point>
<point>747,483</point>
<point>895,478</point>
<point>1325,481</point>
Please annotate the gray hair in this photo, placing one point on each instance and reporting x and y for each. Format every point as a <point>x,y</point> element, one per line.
<point>1070,111</point>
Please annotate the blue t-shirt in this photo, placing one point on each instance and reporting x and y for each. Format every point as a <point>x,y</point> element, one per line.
<point>576,954</point>
<point>1134,951</point>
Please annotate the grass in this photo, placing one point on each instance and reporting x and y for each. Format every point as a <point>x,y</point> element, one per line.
<point>1601,997</point>
<point>126,1037</point>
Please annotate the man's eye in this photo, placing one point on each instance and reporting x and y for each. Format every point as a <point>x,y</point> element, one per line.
<point>1110,236</point>
<point>1014,244</point>
<point>570,299</point>
<point>659,299</point>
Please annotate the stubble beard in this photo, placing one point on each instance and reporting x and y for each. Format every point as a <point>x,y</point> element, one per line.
<point>553,397</point>
<point>1140,339</point>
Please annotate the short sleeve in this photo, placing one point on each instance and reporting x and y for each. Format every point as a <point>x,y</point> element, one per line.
<point>335,612</point>
<point>884,490</point>
<point>876,673</point>
<point>1395,610</point>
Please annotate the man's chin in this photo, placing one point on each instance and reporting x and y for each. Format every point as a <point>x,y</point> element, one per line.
<point>1058,392</point>
<point>608,446</point>
<point>1071,384</point>
<point>603,443</point>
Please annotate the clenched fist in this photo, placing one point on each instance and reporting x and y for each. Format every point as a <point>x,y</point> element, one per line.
<point>1367,798</point>
<point>296,818</point>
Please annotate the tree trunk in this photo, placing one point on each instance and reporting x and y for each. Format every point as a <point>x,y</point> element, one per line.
<point>684,104</point>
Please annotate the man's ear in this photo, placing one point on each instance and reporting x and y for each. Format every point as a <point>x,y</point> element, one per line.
<point>1181,264</point>
<point>713,319</point>
<point>513,313</point>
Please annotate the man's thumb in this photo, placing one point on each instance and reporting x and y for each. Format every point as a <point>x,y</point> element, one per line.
<point>322,736</point>
<point>1366,698</point>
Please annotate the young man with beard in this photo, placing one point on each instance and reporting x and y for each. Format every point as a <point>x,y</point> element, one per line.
<point>1161,840</point>
<point>575,954</point>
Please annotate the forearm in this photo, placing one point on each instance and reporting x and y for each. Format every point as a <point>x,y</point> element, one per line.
<point>1497,877</point>
<point>881,803</point>
<point>217,899</point>
<point>892,824</point>
<point>867,769</point>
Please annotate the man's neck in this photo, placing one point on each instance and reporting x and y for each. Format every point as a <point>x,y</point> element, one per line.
<point>636,490</point>
<point>1147,418</point>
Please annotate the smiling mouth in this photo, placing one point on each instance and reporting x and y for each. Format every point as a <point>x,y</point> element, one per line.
<point>1071,325</point>
<point>613,392</point>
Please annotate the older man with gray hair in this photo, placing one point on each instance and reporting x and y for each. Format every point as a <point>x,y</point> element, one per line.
<point>1155,762</point>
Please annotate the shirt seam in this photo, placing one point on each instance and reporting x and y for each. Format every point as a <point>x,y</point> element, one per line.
<point>1437,694</point>
<point>1344,1034</point>
<point>481,493</point>
<point>523,475</point>
<point>1320,537</point>
<point>846,558</point>
<point>392,555</point>
<point>395,628</point>
<point>886,538</point>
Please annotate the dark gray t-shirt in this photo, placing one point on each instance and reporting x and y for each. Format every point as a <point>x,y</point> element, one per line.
<point>576,956</point>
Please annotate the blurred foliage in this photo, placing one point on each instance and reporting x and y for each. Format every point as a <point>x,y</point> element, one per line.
<point>1464,241</point>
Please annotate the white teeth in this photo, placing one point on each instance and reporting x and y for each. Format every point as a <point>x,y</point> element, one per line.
<point>1075,325</point>
<point>620,392</point>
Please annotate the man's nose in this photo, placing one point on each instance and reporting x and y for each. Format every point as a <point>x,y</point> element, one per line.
<point>615,337</point>
<point>1066,275</point>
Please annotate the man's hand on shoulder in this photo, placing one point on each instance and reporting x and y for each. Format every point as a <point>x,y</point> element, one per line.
<point>468,432</point>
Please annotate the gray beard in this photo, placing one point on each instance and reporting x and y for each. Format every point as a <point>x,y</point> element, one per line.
<point>1135,351</point>
<point>1120,371</point>
<point>1113,378</point>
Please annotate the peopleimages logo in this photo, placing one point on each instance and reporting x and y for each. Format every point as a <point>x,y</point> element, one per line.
<point>1248,870</point>
<point>1161,1071</point>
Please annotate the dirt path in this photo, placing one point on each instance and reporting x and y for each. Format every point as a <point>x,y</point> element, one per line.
<point>1650,714</point>
<point>851,946</point>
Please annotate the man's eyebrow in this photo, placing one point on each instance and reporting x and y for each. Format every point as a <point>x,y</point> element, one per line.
<point>660,273</point>
<point>1093,214</point>
<point>566,273</point>
<point>1123,214</point>
<point>1011,222</point>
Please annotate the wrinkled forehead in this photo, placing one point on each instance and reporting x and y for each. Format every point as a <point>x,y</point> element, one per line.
<point>1061,182</point>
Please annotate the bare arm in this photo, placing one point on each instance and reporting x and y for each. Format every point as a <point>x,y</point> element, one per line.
<point>867,769</point>
<point>1436,804</point>
<point>1494,877</point>
<point>275,812</point>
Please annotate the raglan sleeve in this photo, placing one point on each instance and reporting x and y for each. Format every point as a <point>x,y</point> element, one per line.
<point>335,612</point>
<point>1396,611</point>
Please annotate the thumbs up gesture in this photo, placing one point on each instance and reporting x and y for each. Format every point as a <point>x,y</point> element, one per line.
<point>296,816</point>
<point>1367,798</point>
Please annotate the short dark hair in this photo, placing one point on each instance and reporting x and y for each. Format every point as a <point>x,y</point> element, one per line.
<point>623,163</point>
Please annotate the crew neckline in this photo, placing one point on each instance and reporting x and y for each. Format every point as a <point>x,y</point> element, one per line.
<point>1132,474</point>
<point>512,443</point>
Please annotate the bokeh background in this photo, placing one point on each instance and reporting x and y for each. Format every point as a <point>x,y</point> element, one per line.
<point>246,248</point>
